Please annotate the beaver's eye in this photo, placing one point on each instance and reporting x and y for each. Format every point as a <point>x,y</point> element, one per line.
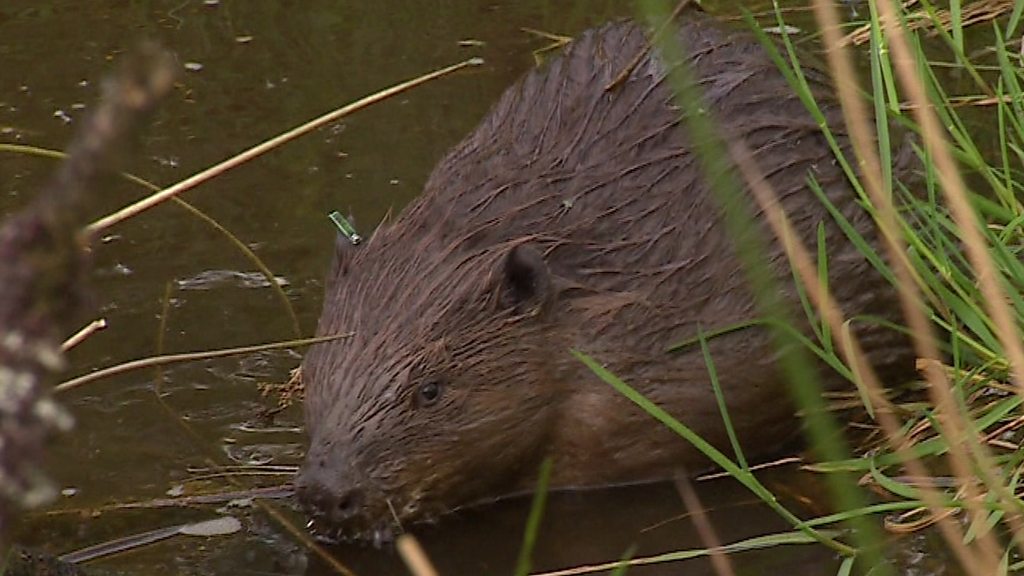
<point>429,393</point>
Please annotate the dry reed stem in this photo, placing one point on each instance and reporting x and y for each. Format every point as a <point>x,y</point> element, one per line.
<point>788,460</point>
<point>268,145</point>
<point>962,101</point>
<point>163,360</point>
<point>849,347</point>
<point>996,301</point>
<point>415,558</point>
<point>858,123</point>
<point>856,118</point>
<point>982,11</point>
<point>950,181</point>
<point>85,332</point>
<point>658,559</point>
<point>238,244</point>
<point>924,517</point>
<point>1008,427</point>
<point>708,537</point>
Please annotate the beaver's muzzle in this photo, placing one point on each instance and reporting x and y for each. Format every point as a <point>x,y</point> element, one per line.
<point>334,507</point>
<point>335,501</point>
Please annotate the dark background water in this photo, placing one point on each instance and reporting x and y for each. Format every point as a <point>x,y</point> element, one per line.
<point>256,69</point>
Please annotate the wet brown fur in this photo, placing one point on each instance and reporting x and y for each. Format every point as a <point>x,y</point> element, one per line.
<point>571,218</point>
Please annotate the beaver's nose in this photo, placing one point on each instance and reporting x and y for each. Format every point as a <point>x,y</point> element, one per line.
<point>332,504</point>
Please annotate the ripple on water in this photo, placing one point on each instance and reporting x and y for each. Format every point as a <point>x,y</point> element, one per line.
<point>216,279</point>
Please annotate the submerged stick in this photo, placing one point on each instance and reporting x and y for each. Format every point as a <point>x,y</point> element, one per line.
<point>221,526</point>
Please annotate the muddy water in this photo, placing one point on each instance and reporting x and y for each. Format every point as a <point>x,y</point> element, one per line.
<point>166,282</point>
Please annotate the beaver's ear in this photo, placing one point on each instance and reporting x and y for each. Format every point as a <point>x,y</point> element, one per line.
<point>525,280</point>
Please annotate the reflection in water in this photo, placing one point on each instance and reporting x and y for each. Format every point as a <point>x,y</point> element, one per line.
<point>595,527</point>
<point>215,279</point>
<point>256,69</point>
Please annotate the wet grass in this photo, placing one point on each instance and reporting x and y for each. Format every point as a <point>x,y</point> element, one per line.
<point>952,248</point>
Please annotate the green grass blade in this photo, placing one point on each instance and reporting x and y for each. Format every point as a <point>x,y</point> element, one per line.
<point>723,410</point>
<point>846,567</point>
<point>716,456</point>
<point>540,498</point>
<point>623,566</point>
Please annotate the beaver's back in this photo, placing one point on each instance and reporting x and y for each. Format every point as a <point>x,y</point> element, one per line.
<point>609,186</point>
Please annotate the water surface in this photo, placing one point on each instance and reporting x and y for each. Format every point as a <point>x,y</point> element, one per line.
<point>166,282</point>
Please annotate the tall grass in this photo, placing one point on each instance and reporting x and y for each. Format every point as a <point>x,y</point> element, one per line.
<point>952,248</point>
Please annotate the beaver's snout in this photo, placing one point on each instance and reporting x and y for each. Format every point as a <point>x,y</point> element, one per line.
<point>331,499</point>
<point>343,503</point>
<point>321,502</point>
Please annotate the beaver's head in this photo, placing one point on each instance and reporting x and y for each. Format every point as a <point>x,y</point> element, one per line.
<point>438,399</point>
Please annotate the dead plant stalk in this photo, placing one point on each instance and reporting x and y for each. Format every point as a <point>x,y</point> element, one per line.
<point>264,147</point>
<point>163,360</point>
<point>995,301</point>
<point>856,118</point>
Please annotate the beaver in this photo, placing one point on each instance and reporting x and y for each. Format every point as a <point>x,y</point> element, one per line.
<point>576,216</point>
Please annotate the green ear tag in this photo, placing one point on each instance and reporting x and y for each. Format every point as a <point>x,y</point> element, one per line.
<point>345,227</point>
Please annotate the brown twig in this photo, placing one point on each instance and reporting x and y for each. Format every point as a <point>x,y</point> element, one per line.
<point>719,561</point>
<point>415,558</point>
<point>264,147</point>
<point>165,359</point>
<point>85,332</point>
